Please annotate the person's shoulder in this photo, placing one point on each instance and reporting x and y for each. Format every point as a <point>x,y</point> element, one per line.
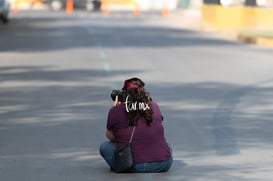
<point>117,108</point>
<point>153,103</point>
<point>156,110</point>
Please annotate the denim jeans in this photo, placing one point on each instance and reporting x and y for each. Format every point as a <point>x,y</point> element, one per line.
<point>107,150</point>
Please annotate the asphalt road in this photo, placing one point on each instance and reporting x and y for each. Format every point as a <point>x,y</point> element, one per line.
<point>57,71</point>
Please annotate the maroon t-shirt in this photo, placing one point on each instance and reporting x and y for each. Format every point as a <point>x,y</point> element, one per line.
<point>149,143</point>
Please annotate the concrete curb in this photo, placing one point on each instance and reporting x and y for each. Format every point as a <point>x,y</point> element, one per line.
<point>267,42</point>
<point>235,34</point>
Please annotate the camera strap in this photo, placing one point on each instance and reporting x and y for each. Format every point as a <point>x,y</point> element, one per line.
<point>132,134</point>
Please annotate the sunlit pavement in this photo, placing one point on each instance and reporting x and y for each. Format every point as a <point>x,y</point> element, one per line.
<point>57,71</point>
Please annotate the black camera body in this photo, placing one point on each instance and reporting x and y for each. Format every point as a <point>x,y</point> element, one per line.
<point>115,93</point>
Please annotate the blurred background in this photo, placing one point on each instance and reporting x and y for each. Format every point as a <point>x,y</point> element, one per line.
<point>219,14</point>
<point>89,5</point>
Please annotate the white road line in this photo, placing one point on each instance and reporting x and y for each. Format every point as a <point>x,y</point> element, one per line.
<point>103,57</point>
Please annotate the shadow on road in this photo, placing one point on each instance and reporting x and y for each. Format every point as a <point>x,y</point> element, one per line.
<point>52,32</point>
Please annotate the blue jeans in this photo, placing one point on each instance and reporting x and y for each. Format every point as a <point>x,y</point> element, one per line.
<point>107,150</point>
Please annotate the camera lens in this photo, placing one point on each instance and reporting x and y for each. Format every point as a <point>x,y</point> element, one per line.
<point>115,93</point>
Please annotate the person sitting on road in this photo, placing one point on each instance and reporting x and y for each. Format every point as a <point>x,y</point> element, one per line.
<point>151,152</point>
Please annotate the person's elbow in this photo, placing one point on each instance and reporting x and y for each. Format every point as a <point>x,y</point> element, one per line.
<point>110,135</point>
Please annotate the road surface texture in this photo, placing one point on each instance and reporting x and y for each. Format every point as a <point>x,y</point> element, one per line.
<point>57,72</point>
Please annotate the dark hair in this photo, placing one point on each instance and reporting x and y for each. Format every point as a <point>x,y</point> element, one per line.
<point>135,92</point>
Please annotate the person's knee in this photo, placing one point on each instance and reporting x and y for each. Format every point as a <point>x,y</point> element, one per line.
<point>107,147</point>
<point>168,164</point>
<point>103,147</point>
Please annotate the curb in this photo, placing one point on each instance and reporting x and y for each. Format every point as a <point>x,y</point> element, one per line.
<point>267,42</point>
<point>234,34</point>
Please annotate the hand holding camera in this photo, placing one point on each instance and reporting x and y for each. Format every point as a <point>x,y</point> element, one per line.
<point>116,96</point>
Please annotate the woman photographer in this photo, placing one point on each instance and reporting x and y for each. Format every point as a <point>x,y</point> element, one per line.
<point>134,107</point>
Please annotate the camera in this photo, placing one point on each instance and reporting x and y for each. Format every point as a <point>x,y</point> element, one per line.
<point>115,93</point>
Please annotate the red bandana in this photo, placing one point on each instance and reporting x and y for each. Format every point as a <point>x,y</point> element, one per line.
<point>130,85</point>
